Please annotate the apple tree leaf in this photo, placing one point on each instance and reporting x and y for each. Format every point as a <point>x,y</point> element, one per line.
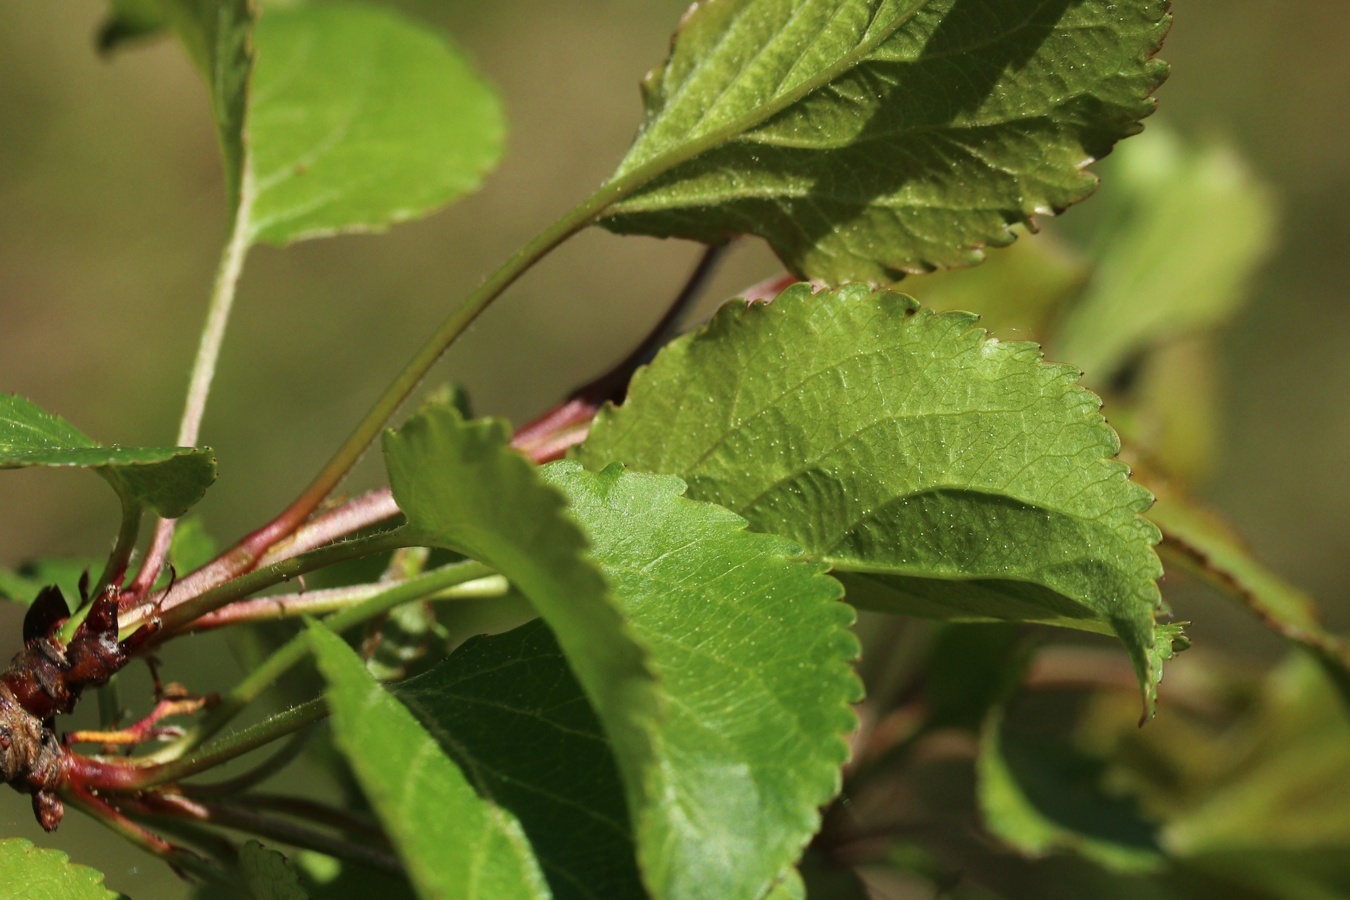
<point>751,652</point>
<point>38,874</point>
<point>508,710</point>
<point>167,479</point>
<point>1041,795</point>
<point>463,488</point>
<point>215,34</point>
<point>867,138</point>
<point>454,842</point>
<point>359,118</point>
<point>269,875</point>
<point>941,472</point>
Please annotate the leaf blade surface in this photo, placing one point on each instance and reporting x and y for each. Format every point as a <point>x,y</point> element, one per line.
<point>751,652</point>
<point>167,479</point>
<point>36,873</point>
<point>454,842</point>
<point>867,138</point>
<point>958,476</point>
<point>360,118</point>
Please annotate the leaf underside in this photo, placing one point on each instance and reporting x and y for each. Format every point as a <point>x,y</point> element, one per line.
<point>509,711</point>
<point>463,488</point>
<point>751,652</point>
<point>868,138</point>
<point>167,479</point>
<point>729,735</point>
<point>215,34</point>
<point>454,843</point>
<point>939,471</point>
<point>1199,540</point>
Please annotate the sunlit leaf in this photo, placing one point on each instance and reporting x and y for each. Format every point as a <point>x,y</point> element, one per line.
<point>359,118</point>
<point>751,651</point>
<point>167,479</point>
<point>940,472</point>
<point>462,487</point>
<point>37,874</point>
<point>455,843</point>
<point>867,138</point>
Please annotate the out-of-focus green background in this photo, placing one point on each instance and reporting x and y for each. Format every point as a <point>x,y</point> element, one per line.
<point>111,217</point>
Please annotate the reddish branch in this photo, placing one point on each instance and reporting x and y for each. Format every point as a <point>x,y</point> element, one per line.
<point>45,680</point>
<point>47,677</point>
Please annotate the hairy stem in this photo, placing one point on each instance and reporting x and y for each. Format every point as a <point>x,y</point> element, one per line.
<point>313,603</point>
<point>203,372</point>
<point>182,615</point>
<point>138,777</point>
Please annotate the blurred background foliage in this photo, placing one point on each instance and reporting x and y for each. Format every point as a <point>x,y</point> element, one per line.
<point>112,215</point>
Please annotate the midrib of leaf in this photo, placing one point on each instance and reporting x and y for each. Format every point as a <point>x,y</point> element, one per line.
<point>635,178</point>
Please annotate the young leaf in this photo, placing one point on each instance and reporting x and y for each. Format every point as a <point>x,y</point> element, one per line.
<point>1197,539</point>
<point>463,488</point>
<point>751,652</point>
<point>867,138</point>
<point>37,874</point>
<point>950,475</point>
<point>454,842</point>
<point>1177,235</point>
<point>508,710</point>
<point>167,479</point>
<point>360,118</point>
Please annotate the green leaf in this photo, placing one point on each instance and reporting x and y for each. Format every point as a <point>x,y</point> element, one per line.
<point>37,874</point>
<point>167,479</point>
<point>1199,540</point>
<point>1178,233</point>
<point>1041,795</point>
<point>867,138</point>
<point>215,34</point>
<point>948,474</point>
<point>507,709</point>
<point>455,843</point>
<point>462,487</point>
<point>360,118</point>
<point>751,653</point>
<point>268,875</point>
